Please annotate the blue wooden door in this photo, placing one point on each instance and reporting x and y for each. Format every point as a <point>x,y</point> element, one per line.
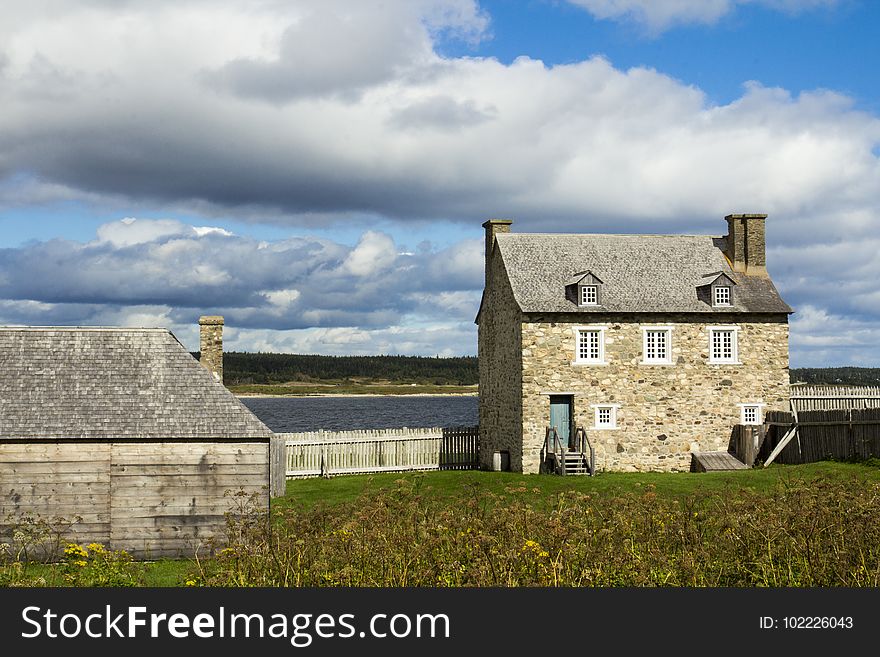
<point>560,417</point>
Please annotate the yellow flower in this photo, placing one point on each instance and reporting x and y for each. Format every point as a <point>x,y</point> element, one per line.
<point>74,550</point>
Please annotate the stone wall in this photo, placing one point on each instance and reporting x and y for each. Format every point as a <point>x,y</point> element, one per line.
<point>211,344</point>
<point>666,411</point>
<point>500,366</point>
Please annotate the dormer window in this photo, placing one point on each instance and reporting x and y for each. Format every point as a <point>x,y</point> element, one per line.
<point>584,289</point>
<point>716,289</point>
<point>589,295</point>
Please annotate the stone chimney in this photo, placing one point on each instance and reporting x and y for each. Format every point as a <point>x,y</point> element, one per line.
<point>493,227</point>
<point>746,243</point>
<point>211,345</point>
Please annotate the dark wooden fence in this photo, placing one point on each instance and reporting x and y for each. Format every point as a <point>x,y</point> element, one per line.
<point>746,441</point>
<point>842,434</point>
<point>460,449</point>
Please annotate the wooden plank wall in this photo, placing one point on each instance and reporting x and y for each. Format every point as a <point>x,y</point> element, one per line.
<point>152,499</point>
<point>170,499</point>
<point>56,483</point>
<point>277,466</point>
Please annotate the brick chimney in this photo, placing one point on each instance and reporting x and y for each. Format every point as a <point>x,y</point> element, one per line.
<point>746,243</point>
<point>211,345</point>
<point>493,227</point>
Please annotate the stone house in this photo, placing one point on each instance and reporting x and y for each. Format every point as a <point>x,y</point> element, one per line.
<point>123,434</point>
<point>657,345</point>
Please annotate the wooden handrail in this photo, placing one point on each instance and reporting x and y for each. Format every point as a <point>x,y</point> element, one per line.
<point>579,443</point>
<point>583,445</point>
<point>557,450</point>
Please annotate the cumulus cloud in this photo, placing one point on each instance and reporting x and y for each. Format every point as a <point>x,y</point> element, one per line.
<point>162,272</point>
<point>658,15</point>
<point>445,339</point>
<point>820,338</point>
<point>334,48</point>
<point>439,113</point>
<point>411,135</point>
<point>583,145</point>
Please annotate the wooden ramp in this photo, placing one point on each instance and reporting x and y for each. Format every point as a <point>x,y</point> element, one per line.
<point>715,461</point>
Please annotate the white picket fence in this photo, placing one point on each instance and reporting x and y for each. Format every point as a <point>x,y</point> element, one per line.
<point>325,453</point>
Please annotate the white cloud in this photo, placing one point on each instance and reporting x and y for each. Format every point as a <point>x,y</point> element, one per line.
<point>162,272</point>
<point>658,15</point>
<point>130,231</point>
<point>820,338</point>
<point>207,230</point>
<point>373,253</point>
<point>440,340</point>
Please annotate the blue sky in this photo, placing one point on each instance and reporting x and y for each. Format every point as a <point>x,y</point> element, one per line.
<point>317,171</point>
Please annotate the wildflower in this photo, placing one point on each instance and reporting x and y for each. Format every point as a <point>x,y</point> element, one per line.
<point>74,551</point>
<point>190,582</point>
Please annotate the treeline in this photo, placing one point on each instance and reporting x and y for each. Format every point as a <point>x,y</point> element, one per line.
<point>846,376</point>
<point>242,368</point>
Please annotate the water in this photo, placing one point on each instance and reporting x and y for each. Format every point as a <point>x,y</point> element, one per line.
<point>293,414</point>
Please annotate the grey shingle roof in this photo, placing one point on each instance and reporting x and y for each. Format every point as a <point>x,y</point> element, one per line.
<point>640,273</point>
<point>60,383</point>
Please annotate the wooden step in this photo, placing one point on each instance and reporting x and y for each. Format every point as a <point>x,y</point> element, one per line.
<point>716,461</point>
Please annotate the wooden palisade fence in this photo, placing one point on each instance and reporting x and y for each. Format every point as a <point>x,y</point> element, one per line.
<point>325,453</point>
<point>842,434</point>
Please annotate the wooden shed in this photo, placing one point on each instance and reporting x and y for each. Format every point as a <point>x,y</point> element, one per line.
<point>123,429</point>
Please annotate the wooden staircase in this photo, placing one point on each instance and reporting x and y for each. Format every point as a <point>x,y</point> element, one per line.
<point>576,458</point>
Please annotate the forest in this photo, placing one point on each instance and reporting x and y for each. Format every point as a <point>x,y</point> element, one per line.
<point>266,368</point>
<point>848,376</point>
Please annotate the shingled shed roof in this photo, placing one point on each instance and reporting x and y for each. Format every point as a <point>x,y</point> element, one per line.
<point>640,273</point>
<point>62,383</point>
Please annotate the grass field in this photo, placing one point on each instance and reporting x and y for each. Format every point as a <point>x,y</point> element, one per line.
<point>452,484</point>
<point>818,523</point>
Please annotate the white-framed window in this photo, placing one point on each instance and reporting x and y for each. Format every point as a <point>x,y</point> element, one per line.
<point>589,345</point>
<point>723,344</point>
<point>656,344</point>
<point>751,413</point>
<point>589,295</point>
<point>605,416</point>
<point>722,295</point>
